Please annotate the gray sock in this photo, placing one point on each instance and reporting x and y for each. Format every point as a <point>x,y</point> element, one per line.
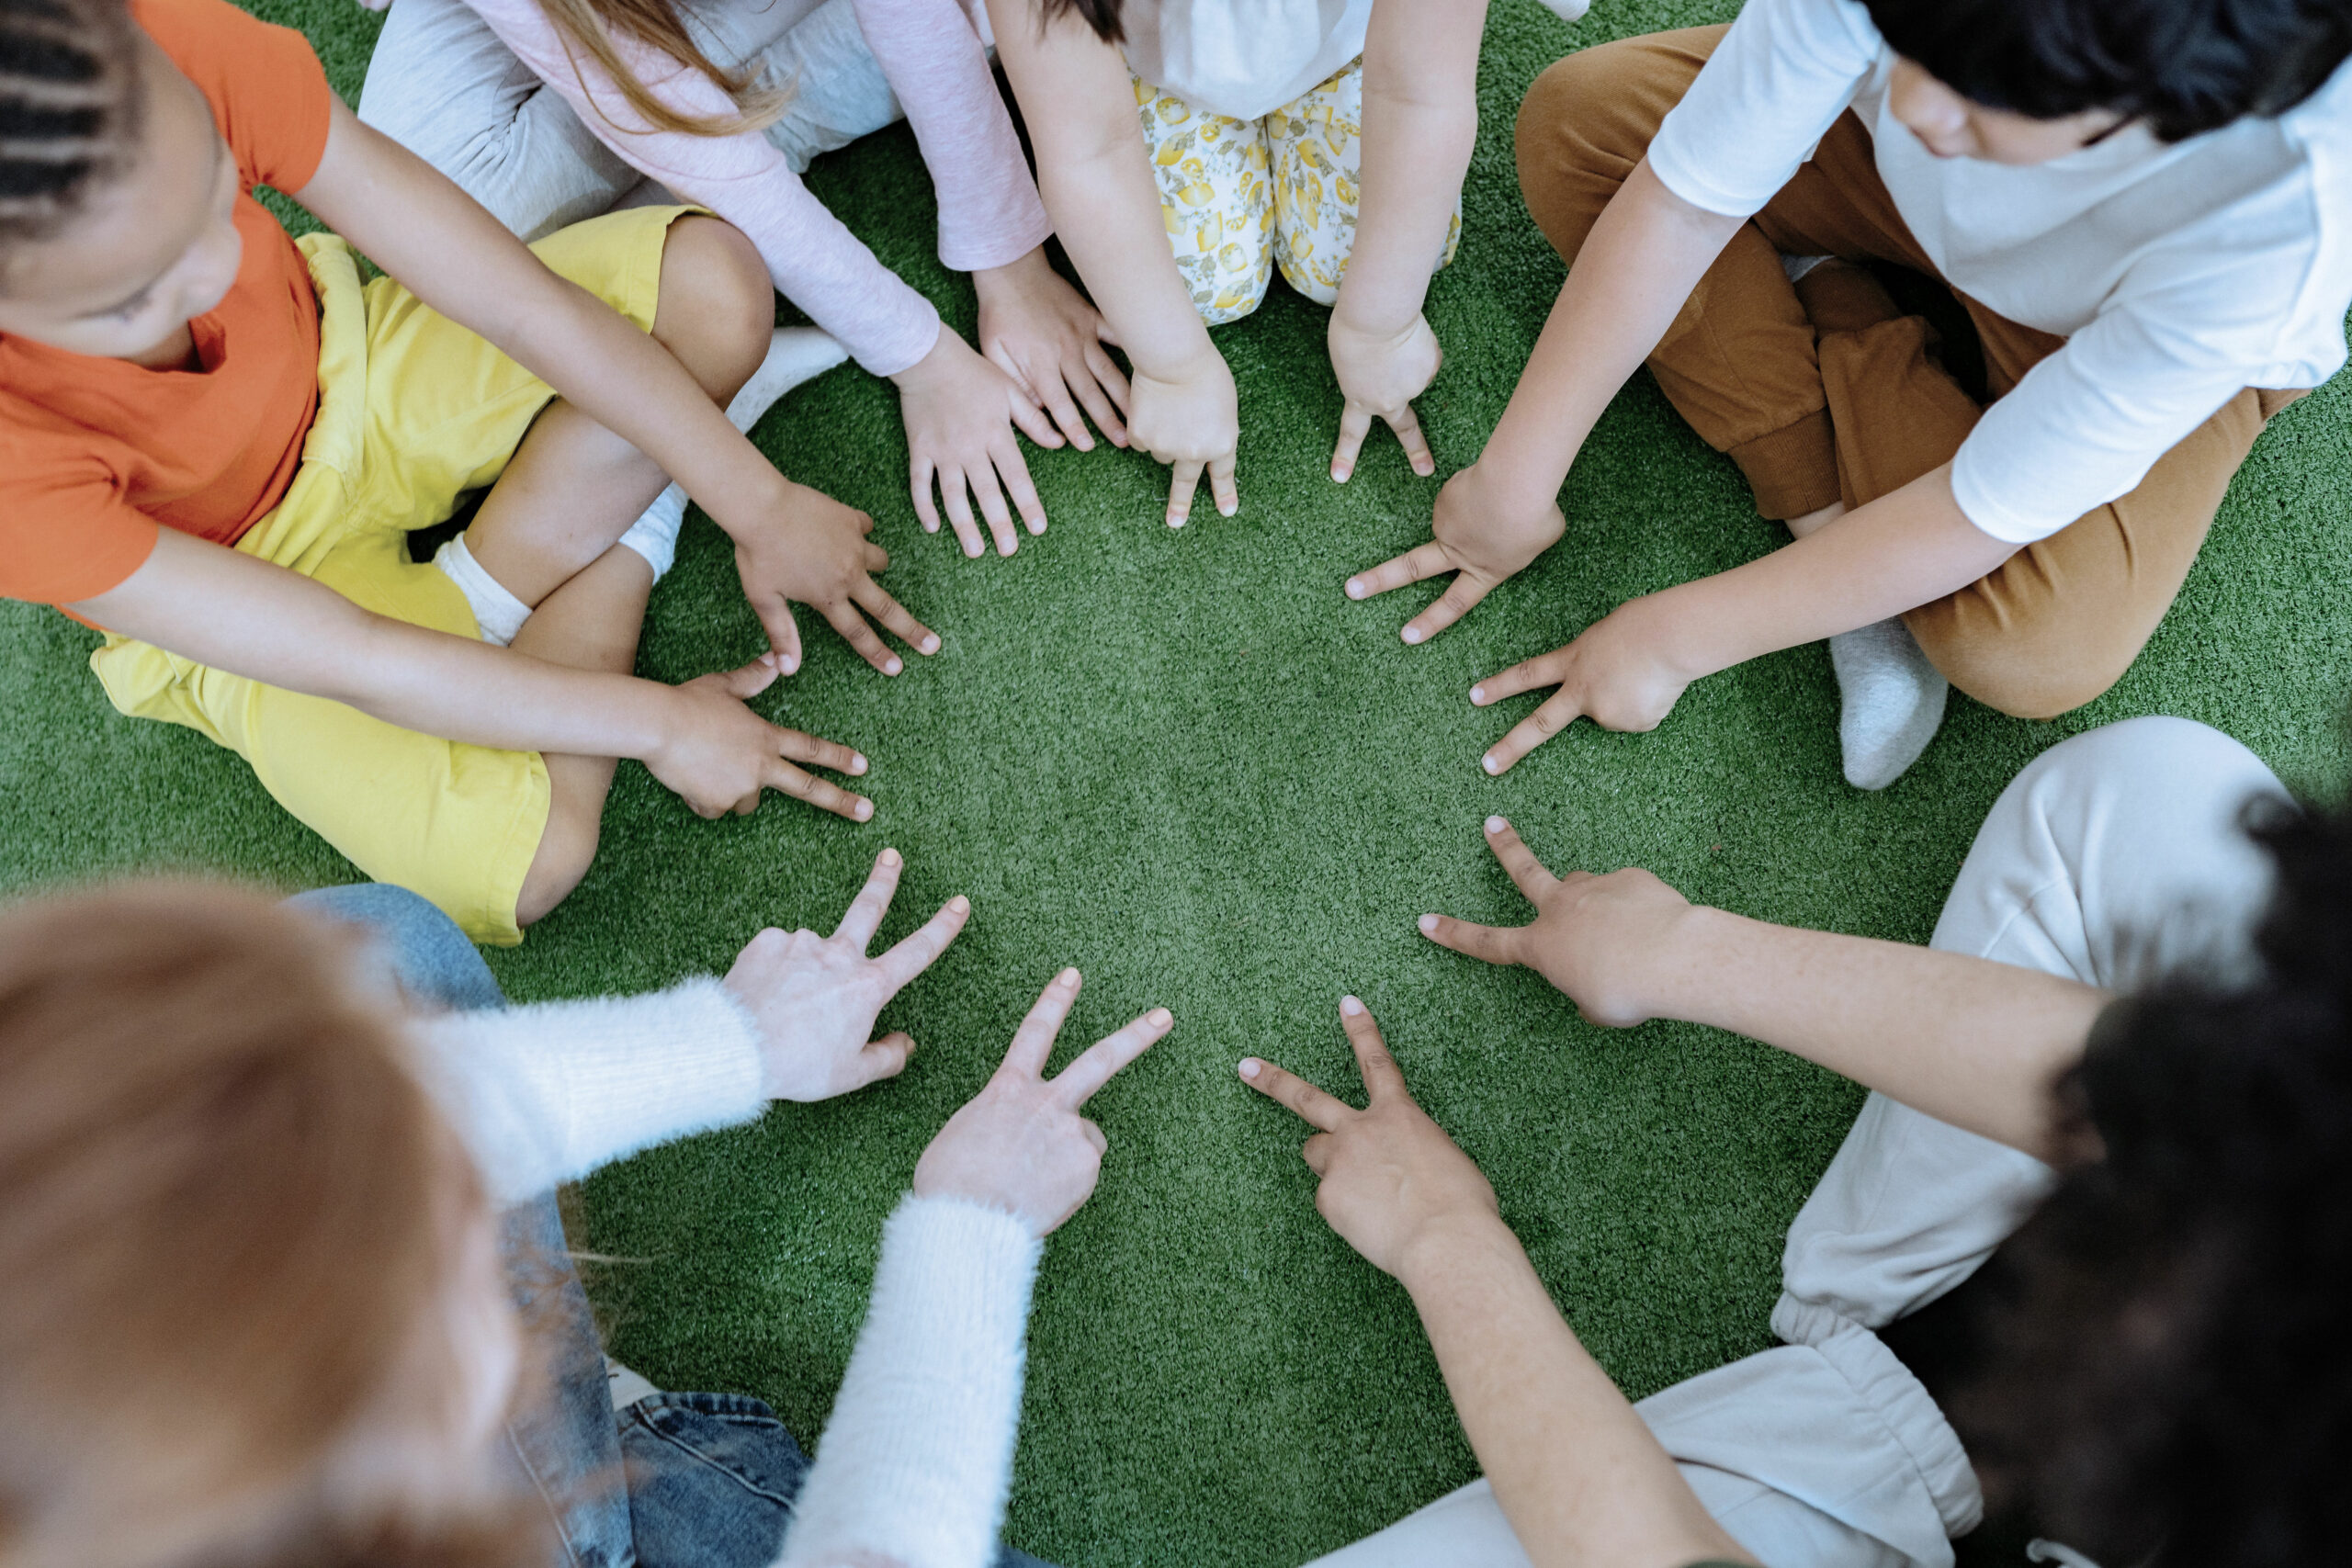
<point>1891,701</point>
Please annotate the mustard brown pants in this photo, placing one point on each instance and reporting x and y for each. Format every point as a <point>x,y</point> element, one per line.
<point>1857,405</point>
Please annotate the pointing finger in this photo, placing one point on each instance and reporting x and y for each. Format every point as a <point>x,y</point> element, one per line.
<point>863,917</point>
<point>1355,423</point>
<point>1530,875</point>
<point>786,779</point>
<point>1420,562</point>
<point>875,601</point>
<point>784,633</point>
<point>1528,675</point>
<point>1222,488</point>
<point>1382,1077</point>
<point>1032,1043</point>
<point>1319,1110</point>
<point>921,948</point>
<point>1181,486</point>
<point>1078,1082</point>
<point>843,616</point>
<point>796,746</point>
<point>1408,426</point>
<point>1461,596</point>
<point>1495,944</point>
<point>1558,712</point>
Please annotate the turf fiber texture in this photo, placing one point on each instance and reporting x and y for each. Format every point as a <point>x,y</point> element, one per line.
<point>1184,762</point>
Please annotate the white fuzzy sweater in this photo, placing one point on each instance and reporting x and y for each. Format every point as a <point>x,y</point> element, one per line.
<point>914,1465</point>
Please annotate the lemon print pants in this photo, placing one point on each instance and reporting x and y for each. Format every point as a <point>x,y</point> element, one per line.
<point>1241,198</point>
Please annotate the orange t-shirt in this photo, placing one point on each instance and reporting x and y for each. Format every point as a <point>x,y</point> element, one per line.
<point>95,454</point>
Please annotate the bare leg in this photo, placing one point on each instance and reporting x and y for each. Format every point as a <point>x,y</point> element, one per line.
<point>547,530</point>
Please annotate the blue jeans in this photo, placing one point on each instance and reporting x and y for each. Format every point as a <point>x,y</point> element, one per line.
<point>675,1481</point>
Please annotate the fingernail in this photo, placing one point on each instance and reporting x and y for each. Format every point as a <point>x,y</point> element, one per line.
<point>1159,1018</point>
<point>1011,543</point>
<point>972,551</point>
<point>788,663</point>
<point>1174,522</point>
<point>1067,978</point>
<point>1349,1006</point>
<point>1491,764</point>
<point>858,764</point>
<point>1496,824</point>
<point>1355,588</point>
<point>892,665</point>
<point>931,643</point>
<point>889,857</point>
<point>865,810</point>
<point>1250,1066</point>
<point>931,528</point>
<point>1338,475</point>
<point>768,659</point>
<point>1478,695</point>
<point>1038,526</point>
<point>1429,922</point>
<point>960,904</point>
<point>1224,511</point>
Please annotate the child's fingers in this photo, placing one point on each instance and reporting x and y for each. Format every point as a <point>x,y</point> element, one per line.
<point>1184,481</point>
<point>875,601</point>
<point>1221,486</point>
<point>1559,711</point>
<point>748,681</point>
<point>1382,1077</point>
<point>1408,426</point>
<point>864,916</point>
<point>1076,1083</point>
<point>1528,675</point>
<point>1114,382</point>
<point>784,633</point>
<point>921,948</point>
<point>1029,413</point>
<point>884,1059</point>
<point>815,751</point>
<point>918,477</point>
<point>1530,875</point>
<point>998,516</point>
<point>1064,412</point>
<point>959,512</point>
<point>1355,423</point>
<point>785,779</point>
<point>1319,1110</point>
<point>846,620</point>
<point>1494,943</point>
<point>1094,395</point>
<point>1460,597</point>
<point>1420,562</point>
<point>1013,469</point>
<point>875,557</point>
<point>1032,1043</point>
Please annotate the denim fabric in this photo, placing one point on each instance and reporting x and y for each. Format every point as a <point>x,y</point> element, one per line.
<point>677,1480</point>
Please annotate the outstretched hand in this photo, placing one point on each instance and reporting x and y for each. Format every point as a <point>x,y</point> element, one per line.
<point>1609,943</point>
<point>1391,1178</point>
<point>1021,1144</point>
<point>1192,423</point>
<point>1479,535</point>
<point>813,550</point>
<point>1619,674</point>
<point>1379,378</point>
<point>961,412</point>
<point>1050,338</point>
<point>815,998</point>
<point>718,756</point>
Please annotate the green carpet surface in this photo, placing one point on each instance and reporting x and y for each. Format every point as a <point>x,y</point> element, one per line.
<point>1187,764</point>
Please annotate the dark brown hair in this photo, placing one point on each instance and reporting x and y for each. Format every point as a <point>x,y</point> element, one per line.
<point>70,107</point>
<point>1107,17</point>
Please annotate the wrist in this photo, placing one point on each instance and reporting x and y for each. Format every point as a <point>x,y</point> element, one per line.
<point>1001,285</point>
<point>1672,635</point>
<point>1447,1245</point>
<point>1691,957</point>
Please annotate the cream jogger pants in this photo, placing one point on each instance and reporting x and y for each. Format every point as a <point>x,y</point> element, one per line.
<point>2114,857</point>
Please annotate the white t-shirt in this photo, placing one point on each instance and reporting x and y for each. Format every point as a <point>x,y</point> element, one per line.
<point>1242,58</point>
<point>2178,273</point>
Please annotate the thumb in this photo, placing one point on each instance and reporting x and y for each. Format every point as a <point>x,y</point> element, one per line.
<point>748,681</point>
<point>783,634</point>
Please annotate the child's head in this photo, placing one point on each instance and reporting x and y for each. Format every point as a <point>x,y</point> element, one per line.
<point>116,193</point>
<point>2175,1385</point>
<point>2025,81</point>
<point>251,1306</point>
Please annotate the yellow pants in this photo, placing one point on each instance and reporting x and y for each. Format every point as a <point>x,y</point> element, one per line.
<point>1241,196</point>
<point>414,411</point>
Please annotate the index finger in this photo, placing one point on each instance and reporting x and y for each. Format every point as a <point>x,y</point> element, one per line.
<point>1032,1043</point>
<point>785,779</point>
<point>1420,562</point>
<point>875,601</point>
<point>864,916</point>
<point>1076,1083</point>
<point>843,616</point>
<point>1408,426</point>
<point>1460,597</point>
<point>1318,1110</point>
<point>1355,423</point>
<point>1221,486</point>
<point>1382,1077</point>
<point>1530,875</point>
<point>1559,711</point>
<point>1181,486</point>
<point>920,948</point>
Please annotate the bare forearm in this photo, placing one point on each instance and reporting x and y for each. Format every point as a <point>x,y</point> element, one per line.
<point>1645,255</point>
<point>1577,1472</point>
<point>1966,1040</point>
<point>1420,126</point>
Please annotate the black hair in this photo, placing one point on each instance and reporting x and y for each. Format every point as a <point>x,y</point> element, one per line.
<point>1107,17</point>
<point>2172,1381</point>
<point>70,107</point>
<point>2185,66</point>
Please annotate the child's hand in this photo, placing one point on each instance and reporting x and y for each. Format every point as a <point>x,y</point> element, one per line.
<point>717,755</point>
<point>1391,1178</point>
<point>1482,535</point>
<point>1621,674</point>
<point>1604,940</point>
<point>960,411</point>
<point>1020,1145</point>
<point>814,550</point>
<point>1050,338</point>
<point>815,998</point>
<point>1192,421</point>
<point>1380,377</point>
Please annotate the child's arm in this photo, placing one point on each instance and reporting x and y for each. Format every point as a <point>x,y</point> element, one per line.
<point>234,613</point>
<point>1575,1469</point>
<point>1420,124</point>
<point>792,543</point>
<point>1096,178</point>
<point>1967,1040</point>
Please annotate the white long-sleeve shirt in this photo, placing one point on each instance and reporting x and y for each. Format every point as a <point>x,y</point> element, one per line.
<point>916,1462</point>
<point>937,66</point>
<point>2178,273</point>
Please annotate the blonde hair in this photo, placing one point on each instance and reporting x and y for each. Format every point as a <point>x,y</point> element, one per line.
<point>592,25</point>
<point>226,1209</point>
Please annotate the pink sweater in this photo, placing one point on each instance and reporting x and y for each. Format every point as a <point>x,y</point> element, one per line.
<point>988,210</point>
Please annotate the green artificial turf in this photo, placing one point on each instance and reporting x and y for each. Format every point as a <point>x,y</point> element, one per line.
<point>1187,764</point>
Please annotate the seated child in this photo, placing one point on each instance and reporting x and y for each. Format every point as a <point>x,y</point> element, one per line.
<point>1187,147</point>
<point>548,111</point>
<point>2141,209</point>
<point>215,442</point>
<point>2120,1063</point>
<point>271,1195</point>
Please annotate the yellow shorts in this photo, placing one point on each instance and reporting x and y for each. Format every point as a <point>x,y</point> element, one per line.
<point>414,411</point>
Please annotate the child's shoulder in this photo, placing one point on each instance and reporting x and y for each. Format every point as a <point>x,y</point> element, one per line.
<point>269,93</point>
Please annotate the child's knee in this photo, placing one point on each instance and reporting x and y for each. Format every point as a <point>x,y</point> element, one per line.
<point>567,847</point>
<point>718,305</point>
<point>2025,671</point>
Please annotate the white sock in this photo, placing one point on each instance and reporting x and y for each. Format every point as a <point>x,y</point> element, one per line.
<point>794,354</point>
<point>626,1387</point>
<point>497,614</point>
<point>1891,701</point>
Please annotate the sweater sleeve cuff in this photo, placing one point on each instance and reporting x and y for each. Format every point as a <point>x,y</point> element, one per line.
<point>915,1464</point>
<point>1021,231</point>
